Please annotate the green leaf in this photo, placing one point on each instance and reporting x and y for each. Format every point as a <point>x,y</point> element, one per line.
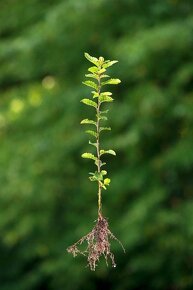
<point>92,178</point>
<point>89,103</point>
<point>103,98</point>
<point>104,112</point>
<point>112,152</point>
<point>101,71</point>
<point>109,63</point>
<point>97,162</point>
<point>91,173</point>
<point>87,121</point>
<point>111,82</point>
<point>103,163</point>
<point>95,94</point>
<point>107,181</point>
<point>103,186</point>
<point>92,76</point>
<point>91,133</point>
<point>106,94</point>
<point>104,172</point>
<point>96,176</point>
<point>104,76</point>
<point>89,156</point>
<point>92,59</point>
<point>103,118</point>
<point>99,176</point>
<point>105,129</point>
<point>93,69</point>
<point>93,144</point>
<point>101,59</point>
<point>90,84</point>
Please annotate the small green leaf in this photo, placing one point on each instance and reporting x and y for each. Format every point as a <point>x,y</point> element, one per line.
<point>112,152</point>
<point>91,76</point>
<point>100,115</point>
<point>101,112</point>
<point>106,94</point>
<point>91,173</point>
<point>105,129</point>
<point>98,175</point>
<point>89,156</point>
<point>95,94</point>
<point>104,112</point>
<point>103,99</point>
<point>103,186</point>
<point>100,163</point>
<point>101,71</point>
<point>104,172</point>
<point>104,76</point>
<point>103,163</point>
<point>91,133</point>
<point>92,59</point>
<point>87,121</point>
<point>97,162</point>
<point>92,178</point>
<point>111,82</point>
<point>103,118</point>
<point>93,69</point>
<point>90,84</point>
<point>89,103</point>
<point>101,59</point>
<point>109,63</point>
<point>93,144</point>
<point>107,181</point>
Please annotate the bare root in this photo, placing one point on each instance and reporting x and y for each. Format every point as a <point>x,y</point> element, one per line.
<point>97,244</point>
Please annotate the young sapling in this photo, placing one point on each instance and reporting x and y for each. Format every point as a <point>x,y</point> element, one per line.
<point>97,240</point>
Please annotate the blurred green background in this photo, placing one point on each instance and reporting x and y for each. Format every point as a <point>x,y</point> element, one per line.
<point>46,199</point>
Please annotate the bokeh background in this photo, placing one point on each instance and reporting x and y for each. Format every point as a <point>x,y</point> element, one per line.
<point>46,199</point>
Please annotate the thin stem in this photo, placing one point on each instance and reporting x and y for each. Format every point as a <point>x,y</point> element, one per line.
<point>98,148</point>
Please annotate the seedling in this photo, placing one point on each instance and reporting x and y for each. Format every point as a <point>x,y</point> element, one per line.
<point>98,239</point>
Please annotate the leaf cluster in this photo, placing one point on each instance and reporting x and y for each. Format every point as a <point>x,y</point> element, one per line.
<point>97,73</point>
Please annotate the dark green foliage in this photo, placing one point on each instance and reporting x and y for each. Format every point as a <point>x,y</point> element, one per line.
<point>45,200</point>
